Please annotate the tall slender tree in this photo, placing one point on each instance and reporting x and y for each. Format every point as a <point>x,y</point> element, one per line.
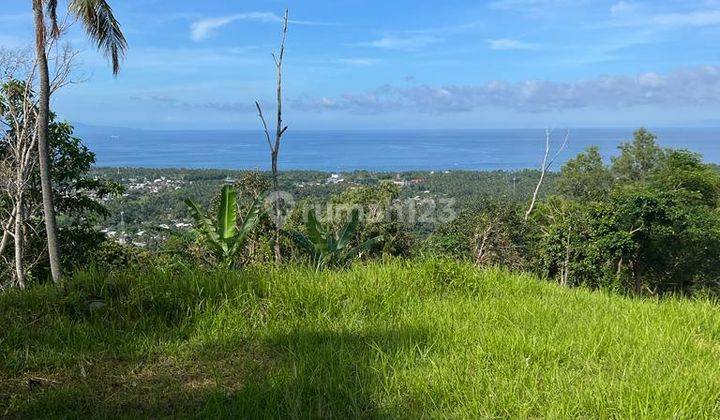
<point>98,20</point>
<point>279,131</point>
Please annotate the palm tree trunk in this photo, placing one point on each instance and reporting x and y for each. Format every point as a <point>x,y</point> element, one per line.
<point>43,147</point>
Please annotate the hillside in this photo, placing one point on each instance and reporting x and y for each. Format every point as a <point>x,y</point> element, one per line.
<point>394,339</point>
<point>153,198</point>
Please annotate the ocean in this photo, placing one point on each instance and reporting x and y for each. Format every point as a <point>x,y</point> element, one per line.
<point>374,150</point>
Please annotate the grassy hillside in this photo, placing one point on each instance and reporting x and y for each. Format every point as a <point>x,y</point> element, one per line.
<point>397,339</point>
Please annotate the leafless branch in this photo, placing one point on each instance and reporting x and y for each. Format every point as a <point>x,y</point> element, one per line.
<point>546,165</point>
<point>265,126</point>
<point>279,130</point>
<point>19,115</point>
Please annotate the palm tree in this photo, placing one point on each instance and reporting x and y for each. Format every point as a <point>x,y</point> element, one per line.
<point>96,16</point>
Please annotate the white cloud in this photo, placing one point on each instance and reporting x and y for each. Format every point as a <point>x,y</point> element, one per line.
<point>698,86</point>
<point>404,43</point>
<point>358,61</point>
<point>204,28</point>
<point>691,19</point>
<point>627,14</point>
<point>622,7</point>
<point>503,44</point>
<point>536,7</point>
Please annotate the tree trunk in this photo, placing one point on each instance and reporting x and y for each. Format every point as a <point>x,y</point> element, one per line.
<point>638,283</point>
<point>276,247</point>
<point>19,268</point>
<point>43,124</point>
<point>6,233</point>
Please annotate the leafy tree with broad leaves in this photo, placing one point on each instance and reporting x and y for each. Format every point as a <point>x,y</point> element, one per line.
<point>638,158</point>
<point>79,197</point>
<point>654,228</point>
<point>585,177</point>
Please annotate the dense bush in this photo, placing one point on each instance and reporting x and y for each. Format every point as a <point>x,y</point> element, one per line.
<point>648,223</point>
<point>653,226</point>
<point>490,233</point>
<point>78,201</point>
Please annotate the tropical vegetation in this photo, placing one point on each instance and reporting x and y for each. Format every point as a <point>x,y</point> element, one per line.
<point>588,292</point>
<point>390,339</point>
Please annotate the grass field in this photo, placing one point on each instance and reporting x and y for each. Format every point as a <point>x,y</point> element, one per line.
<point>400,339</point>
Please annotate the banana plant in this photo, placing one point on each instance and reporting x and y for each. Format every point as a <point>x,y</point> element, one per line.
<point>223,235</point>
<point>325,246</point>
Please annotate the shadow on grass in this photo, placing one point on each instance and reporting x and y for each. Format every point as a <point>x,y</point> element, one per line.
<point>328,374</point>
<point>308,373</point>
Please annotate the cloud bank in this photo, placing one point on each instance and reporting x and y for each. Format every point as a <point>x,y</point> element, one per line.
<point>696,86</point>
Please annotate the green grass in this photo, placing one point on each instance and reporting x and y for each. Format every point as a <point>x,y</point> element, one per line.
<point>401,339</point>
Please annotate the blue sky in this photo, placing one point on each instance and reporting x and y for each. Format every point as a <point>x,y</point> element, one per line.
<point>400,63</point>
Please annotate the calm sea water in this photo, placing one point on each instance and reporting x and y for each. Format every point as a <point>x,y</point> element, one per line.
<point>376,150</point>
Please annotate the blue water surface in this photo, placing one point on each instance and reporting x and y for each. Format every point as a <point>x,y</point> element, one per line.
<point>375,150</point>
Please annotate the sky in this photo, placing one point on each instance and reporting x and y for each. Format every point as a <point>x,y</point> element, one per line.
<point>353,64</point>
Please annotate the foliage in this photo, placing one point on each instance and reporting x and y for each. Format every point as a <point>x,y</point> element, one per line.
<point>654,229</point>
<point>223,235</point>
<point>327,247</point>
<point>490,233</point>
<point>146,206</point>
<point>385,215</point>
<point>638,158</point>
<point>684,172</point>
<point>585,177</point>
<point>79,197</point>
<point>258,248</point>
<point>283,342</point>
<point>644,223</point>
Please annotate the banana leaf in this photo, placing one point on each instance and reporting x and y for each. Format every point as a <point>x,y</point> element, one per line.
<point>227,213</point>
<point>347,232</point>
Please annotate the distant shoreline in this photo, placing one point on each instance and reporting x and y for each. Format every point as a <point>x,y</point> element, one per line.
<point>374,150</point>
<point>312,171</point>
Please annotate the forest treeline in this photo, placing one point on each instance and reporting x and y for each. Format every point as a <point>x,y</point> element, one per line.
<point>644,221</point>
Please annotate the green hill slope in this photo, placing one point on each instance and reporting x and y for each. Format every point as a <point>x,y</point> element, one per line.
<point>401,339</point>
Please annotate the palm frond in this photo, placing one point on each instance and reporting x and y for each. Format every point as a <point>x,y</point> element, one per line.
<point>51,6</point>
<point>101,26</point>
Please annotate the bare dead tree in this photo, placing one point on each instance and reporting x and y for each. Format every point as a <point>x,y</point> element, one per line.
<point>279,131</point>
<point>20,144</point>
<point>483,237</point>
<point>545,167</point>
<point>19,136</point>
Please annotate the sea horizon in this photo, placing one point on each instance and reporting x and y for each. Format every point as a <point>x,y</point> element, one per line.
<point>379,150</point>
